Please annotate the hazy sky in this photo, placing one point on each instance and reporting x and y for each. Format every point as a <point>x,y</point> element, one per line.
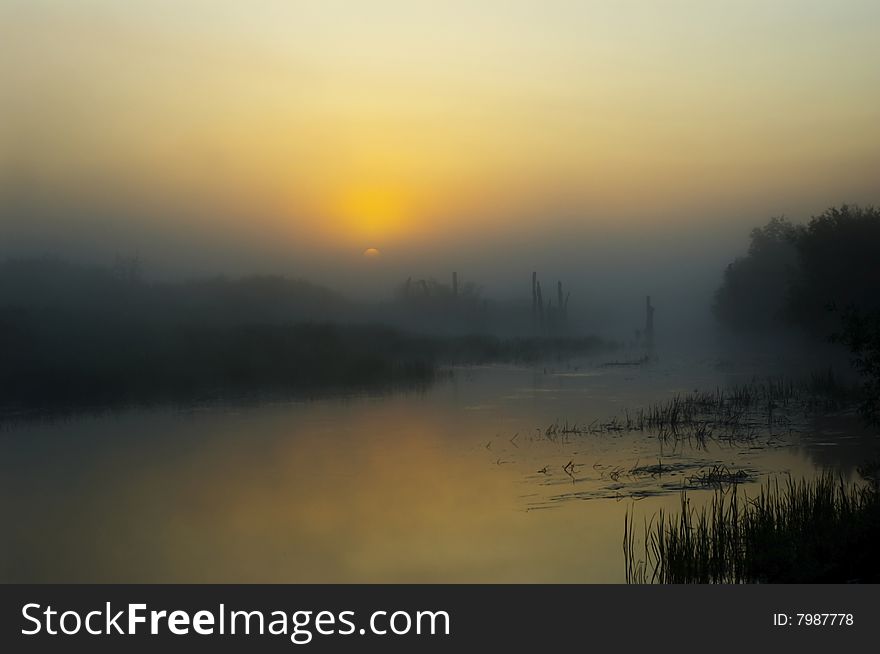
<point>295,135</point>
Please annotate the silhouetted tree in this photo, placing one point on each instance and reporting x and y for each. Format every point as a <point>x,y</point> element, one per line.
<point>860,332</point>
<point>793,274</point>
<point>753,292</point>
<point>838,265</point>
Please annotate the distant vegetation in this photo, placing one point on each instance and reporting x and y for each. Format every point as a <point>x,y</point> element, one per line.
<point>73,335</point>
<point>445,307</point>
<point>119,292</point>
<point>448,308</point>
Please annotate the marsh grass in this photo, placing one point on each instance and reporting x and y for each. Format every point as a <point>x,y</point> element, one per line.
<point>735,415</point>
<point>818,530</point>
<point>719,476</point>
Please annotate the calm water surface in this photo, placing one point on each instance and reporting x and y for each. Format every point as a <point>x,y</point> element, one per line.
<point>457,483</point>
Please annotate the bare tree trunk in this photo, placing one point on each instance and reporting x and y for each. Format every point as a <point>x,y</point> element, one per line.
<point>560,301</point>
<point>534,296</point>
<point>540,301</point>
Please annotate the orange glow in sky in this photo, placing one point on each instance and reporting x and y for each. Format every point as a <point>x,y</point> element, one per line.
<point>392,122</point>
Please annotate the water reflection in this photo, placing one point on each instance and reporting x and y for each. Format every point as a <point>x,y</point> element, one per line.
<point>454,484</point>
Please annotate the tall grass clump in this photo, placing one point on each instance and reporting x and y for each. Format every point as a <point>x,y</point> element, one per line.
<point>817,530</point>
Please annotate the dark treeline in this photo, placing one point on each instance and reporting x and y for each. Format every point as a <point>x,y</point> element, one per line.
<point>821,279</point>
<point>797,275</point>
<point>73,335</point>
<point>120,292</point>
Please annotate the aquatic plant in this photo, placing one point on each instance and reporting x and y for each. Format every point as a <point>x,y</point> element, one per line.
<point>735,415</point>
<point>817,530</point>
<point>718,475</point>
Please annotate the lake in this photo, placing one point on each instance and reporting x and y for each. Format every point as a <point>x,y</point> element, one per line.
<point>458,482</point>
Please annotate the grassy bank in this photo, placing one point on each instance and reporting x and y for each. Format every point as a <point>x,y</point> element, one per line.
<point>819,530</point>
<point>52,360</point>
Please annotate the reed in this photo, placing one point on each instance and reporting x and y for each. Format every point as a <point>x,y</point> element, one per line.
<point>816,530</point>
<point>734,416</point>
<point>719,476</point>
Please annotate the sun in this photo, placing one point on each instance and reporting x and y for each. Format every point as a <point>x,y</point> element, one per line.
<point>372,212</point>
<point>372,253</point>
